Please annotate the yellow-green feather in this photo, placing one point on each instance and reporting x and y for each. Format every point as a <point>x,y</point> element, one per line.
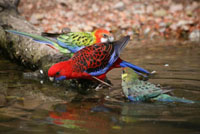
<point>41,39</point>
<point>77,39</point>
<point>138,90</point>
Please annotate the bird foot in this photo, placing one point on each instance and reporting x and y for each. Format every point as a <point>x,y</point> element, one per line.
<point>101,86</point>
<point>103,82</point>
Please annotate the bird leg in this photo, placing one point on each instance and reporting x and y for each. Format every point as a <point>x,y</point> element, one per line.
<point>103,82</point>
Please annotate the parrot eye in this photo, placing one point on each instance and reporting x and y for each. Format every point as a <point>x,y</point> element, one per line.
<point>57,73</point>
<point>105,35</point>
<point>105,38</point>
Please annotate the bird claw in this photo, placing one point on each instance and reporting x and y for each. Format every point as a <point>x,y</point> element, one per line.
<point>103,82</point>
<point>100,86</point>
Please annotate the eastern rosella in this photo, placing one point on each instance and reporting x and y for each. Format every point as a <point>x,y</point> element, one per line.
<point>138,90</point>
<point>93,61</point>
<point>70,42</point>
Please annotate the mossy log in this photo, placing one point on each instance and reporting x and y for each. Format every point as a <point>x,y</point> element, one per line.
<point>23,50</point>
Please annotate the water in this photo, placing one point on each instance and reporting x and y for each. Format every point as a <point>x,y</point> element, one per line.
<point>37,106</point>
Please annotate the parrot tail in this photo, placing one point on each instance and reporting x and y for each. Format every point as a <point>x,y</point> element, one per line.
<point>36,38</point>
<point>137,69</point>
<point>168,98</point>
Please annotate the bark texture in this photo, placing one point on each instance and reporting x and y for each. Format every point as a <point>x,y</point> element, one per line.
<point>29,53</point>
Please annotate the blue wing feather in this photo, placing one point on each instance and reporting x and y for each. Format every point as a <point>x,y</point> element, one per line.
<point>103,70</point>
<point>71,48</point>
<point>134,67</point>
<point>117,46</point>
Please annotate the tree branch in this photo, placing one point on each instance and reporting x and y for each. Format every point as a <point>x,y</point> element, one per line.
<point>29,53</point>
<point>16,3</point>
<point>9,5</point>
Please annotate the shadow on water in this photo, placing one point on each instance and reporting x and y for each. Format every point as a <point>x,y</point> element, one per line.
<point>30,106</point>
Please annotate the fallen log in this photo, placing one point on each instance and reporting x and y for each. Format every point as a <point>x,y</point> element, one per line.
<point>23,50</point>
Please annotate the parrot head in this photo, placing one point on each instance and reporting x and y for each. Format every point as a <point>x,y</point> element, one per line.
<point>60,71</point>
<point>103,35</point>
<point>128,75</point>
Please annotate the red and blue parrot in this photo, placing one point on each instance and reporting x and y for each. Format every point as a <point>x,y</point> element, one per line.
<point>94,62</point>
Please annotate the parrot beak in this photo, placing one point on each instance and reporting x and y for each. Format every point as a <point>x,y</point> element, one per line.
<point>124,74</point>
<point>51,78</point>
<point>103,40</point>
<point>107,38</point>
<point>123,70</point>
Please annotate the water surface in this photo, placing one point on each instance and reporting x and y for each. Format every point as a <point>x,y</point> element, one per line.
<point>38,106</point>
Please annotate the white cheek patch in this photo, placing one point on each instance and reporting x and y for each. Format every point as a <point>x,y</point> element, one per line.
<point>104,40</point>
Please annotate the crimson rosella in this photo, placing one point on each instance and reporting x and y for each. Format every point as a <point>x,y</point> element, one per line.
<point>93,61</point>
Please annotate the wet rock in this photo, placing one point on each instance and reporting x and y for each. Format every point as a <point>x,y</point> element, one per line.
<point>75,29</point>
<point>195,35</point>
<point>33,75</point>
<point>44,21</point>
<point>166,65</point>
<point>193,6</point>
<point>185,28</point>
<point>87,28</point>
<point>95,8</point>
<point>147,30</point>
<point>69,14</point>
<point>130,33</point>
<point>61,1</point>
<point>66,30</point>
<point>162,30</point>
<point>55,28</point>
<point>33,20</point>
<point>2,100</point>
<point>175,8</point>
<point>174,27</point>
<point>160,13</point>
<point>138,9</point>
<point>153,35</point>
<point>149,9</point>
<point>82,13</point>
<point>184,24</point>
<point>162,24</point>
<point>189,13</point>
<point>1,9</point>
<point>124,15</point>
<point>119,6</point>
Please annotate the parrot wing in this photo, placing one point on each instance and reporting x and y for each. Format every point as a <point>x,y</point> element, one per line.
<point>43,40</point>
<point>138,90</point>
<point>74,41</point>
<point>97,59</point>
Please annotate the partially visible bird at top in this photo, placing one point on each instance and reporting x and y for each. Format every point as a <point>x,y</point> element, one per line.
<point>138,90</point>
<point>69,42</point>
<point>93,62</point>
